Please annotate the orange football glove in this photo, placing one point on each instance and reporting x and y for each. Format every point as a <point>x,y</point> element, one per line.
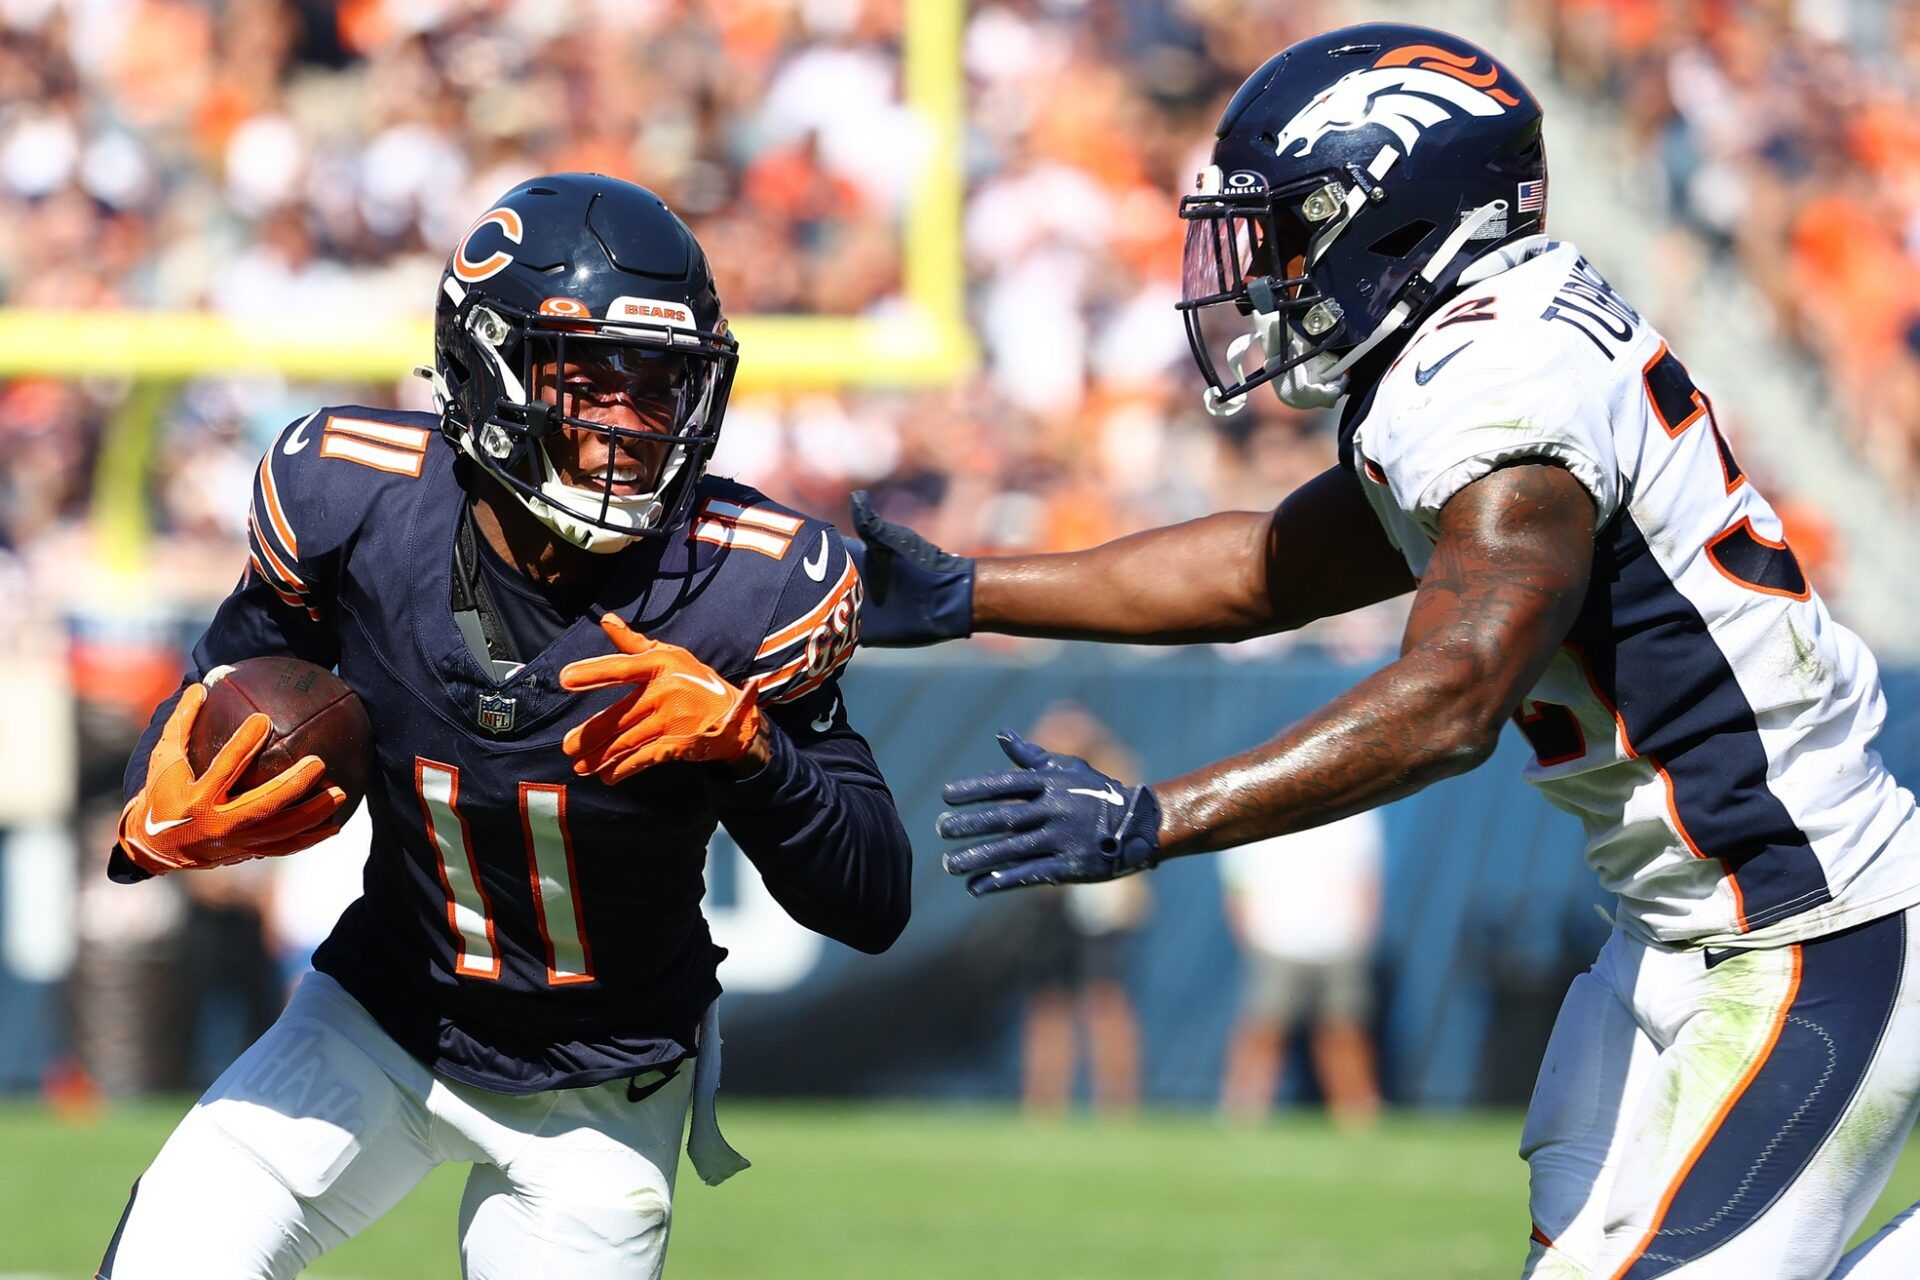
<point>179,821</point>
<point>678,710</point>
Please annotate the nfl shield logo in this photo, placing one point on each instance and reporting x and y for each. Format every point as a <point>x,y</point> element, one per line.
<point>496,713</point>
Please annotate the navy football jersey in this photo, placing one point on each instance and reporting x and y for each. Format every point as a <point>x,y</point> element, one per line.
<point>523,928</point>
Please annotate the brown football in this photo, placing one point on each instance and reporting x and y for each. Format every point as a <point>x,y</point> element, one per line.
<point>313,714</point>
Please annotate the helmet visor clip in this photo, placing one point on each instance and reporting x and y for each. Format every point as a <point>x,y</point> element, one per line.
<point>488,327</point>
<point>1322,316</point>
<point>1323,203</point>
<point>495,440</point>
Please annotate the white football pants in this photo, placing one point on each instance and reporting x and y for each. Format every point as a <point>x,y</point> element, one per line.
<point>1707,1114</point>
<point>325,1123</point>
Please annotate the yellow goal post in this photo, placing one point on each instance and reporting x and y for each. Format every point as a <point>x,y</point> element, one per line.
<point>925,342</point>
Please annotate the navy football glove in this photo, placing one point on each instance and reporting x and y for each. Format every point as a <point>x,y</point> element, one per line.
<point>915,592</point>
<point>1063,822</point>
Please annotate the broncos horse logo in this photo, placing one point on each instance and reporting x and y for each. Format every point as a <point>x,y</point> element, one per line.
<point>1406,91</point>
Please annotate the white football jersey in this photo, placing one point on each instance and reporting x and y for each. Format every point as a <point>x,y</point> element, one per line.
<point>1706,718</point>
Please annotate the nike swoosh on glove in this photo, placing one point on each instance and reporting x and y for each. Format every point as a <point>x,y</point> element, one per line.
<point>178,821</point>
<point>677,709</point>
<point>915,593</point>
<point>1058,820</point>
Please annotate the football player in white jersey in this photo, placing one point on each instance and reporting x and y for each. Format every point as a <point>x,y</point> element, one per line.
<point>1727,1089</point>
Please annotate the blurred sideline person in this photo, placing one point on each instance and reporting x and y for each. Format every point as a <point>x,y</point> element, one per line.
<point>1305,909</point>
<point>227,982</point>
<point>579,653</point>
<point>122,996</point>
<point>1079,963</point>
<point>1727,1089</point>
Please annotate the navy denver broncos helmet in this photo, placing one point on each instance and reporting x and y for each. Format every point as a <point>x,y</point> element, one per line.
<point>1354,176</point>
<point>584,269</point>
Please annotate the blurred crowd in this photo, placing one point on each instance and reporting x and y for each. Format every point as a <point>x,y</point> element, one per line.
<point>1787,135</point>
<point>290,162</point>
<point>306,163</point>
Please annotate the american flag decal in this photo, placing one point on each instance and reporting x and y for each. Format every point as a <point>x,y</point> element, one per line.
<point>1533,196</point>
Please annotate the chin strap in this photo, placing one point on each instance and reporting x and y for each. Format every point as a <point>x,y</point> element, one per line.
<point>1307,385</point>
<point>1266,325</point>
<point>437,384</point>
<point>560,504</point>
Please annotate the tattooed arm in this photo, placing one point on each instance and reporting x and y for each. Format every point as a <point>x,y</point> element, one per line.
<point>1508,574</point>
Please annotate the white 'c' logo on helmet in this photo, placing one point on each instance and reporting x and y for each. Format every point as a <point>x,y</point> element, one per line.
<point>473,272</point>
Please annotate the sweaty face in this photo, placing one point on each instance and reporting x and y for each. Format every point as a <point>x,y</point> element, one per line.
<point>620,402</point>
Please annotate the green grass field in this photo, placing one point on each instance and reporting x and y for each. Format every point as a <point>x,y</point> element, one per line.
<point>916,1193</point>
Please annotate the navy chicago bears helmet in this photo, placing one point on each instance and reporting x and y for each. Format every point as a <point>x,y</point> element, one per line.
<point>589,269</point>
<point>1354,176</point>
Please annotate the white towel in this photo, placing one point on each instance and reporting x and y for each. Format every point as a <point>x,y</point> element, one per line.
<point>713,1159</point>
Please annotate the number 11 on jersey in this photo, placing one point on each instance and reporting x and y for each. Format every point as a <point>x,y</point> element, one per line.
<point>550,870</point>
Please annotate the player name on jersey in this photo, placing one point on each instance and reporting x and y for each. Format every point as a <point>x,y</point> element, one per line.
<point>1707,719</point>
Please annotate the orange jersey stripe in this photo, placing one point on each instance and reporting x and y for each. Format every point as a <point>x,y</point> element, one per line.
<point>778,676</point>
<point>768,687</point>
<point>1719,1117</point>
<point>275,512</point>
<point>808,685</point>
<point>286,596</point>
<point>1633,752</point>
<point>801,627</point>
<point>280,567</point>
<point>1666,781</point>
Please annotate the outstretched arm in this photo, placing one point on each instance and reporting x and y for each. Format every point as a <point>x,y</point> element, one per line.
<point>1508,574</point>
<point>1221,578</point>
<point>1507,578</point>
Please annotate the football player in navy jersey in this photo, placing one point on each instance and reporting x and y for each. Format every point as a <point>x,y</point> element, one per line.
<point>1726,1090</point>
<point>579,653</point>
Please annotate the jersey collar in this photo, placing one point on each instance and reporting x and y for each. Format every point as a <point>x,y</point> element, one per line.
<point>1506,258</point>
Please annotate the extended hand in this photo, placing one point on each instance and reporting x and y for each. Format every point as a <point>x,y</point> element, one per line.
<point>679,709</point>
<point>180,821</point>
<point>915,592</point>
<point>1067,823</point>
